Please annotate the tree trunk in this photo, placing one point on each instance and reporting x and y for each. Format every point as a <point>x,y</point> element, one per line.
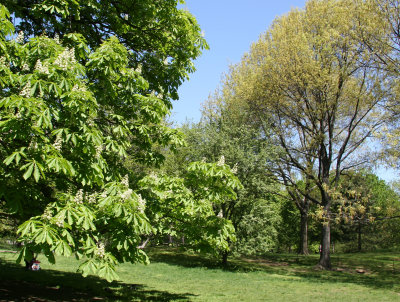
<point>359,236</point>
<point>325,258</point>
<point>225,258</point>
<point>303,246</point>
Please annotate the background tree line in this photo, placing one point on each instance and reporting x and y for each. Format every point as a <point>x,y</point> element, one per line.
<point>301,114</point>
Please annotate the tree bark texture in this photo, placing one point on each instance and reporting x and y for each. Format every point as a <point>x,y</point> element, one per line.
<point>325,258</point>
<point>303,246</point>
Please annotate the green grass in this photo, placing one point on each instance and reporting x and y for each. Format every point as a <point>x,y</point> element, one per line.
<point>178,276</point>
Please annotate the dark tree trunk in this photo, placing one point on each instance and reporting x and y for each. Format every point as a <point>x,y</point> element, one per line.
<point>303,246</point>
<point>359,236</point>
<point>225,258</point>
<point>325,258</point>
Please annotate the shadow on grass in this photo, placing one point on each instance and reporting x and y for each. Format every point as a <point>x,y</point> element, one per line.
<point>374,275</point>
<point>18,284</point>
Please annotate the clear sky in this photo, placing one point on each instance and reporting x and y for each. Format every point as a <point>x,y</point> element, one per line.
<point>230,27</point>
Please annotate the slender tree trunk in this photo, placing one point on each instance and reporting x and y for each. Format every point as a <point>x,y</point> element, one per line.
<point>303,246</point>
<point>325,258</point>
<point>225,258</point>
<point>359,236</point>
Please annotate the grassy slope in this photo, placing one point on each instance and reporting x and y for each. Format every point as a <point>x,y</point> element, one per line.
<point>175,276</point>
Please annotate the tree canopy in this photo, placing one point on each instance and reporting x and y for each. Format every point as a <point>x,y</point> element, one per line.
<point>313,82</point>
<point>76,108</point>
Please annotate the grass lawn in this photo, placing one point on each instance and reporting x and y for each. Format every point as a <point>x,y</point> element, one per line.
<point>178,276</point>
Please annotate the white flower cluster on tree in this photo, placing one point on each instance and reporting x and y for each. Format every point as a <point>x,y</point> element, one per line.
<point>26,91</point>
<point>25,67</point>
<point>101,250</point>
<point>221,161</point>
<point>47,214</point>
<point>79,197</point>
<point>139,68</point>
<point>235,169</point>
<point>60,221</point>
<point>78,88</point>
<point>20,37</point>
<point>58,144</point>
<point>125,181</point>
<point>57,38</point>
<point>33,145</point>
<point>142,204</point>
<point>99,149</point>
<point>154,175</point>
<point>92,198</point>
<point>66,59</point>
<point>126,194</point>
<point>41,68</point>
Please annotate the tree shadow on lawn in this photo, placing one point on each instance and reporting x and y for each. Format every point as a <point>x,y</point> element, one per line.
<point>289,265</point>
<point>18,284</point>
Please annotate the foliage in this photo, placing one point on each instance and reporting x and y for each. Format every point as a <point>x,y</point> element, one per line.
<point>162,39</point>
<point>72,115</point>
<point>366,211</point>
<point>186,206</point>
<point>225,133</point>
<point>310,81</point>
<point>258,230</point>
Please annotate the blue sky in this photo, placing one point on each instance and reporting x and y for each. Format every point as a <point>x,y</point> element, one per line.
<point>230,27</point>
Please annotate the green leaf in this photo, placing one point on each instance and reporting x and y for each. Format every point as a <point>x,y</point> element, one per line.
<point>36,173</point>
<point>28,172</point>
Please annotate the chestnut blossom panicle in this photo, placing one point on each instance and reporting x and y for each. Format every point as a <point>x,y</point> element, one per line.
<point>125,181</point>
<point>58,143</point>
<point>78,88</point>
<point>154,175</point>
<point>235,169</point>
<point>79,197</point>
<point>92,198</point>
<point>25,67</point>
<point>47,215</point>
<point>26,91</point>
<point>126,194</point>
<point>41,68</point>
<point>59,221</point>
<point>99,149</point>
<point>57,38</point>
<point>141,204</point>
<point>20,37</point>
<point>33,145</point>
<point>66,59</point>
<point>221,161</point>
<point>139,68</point>
<point>101,250</point>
